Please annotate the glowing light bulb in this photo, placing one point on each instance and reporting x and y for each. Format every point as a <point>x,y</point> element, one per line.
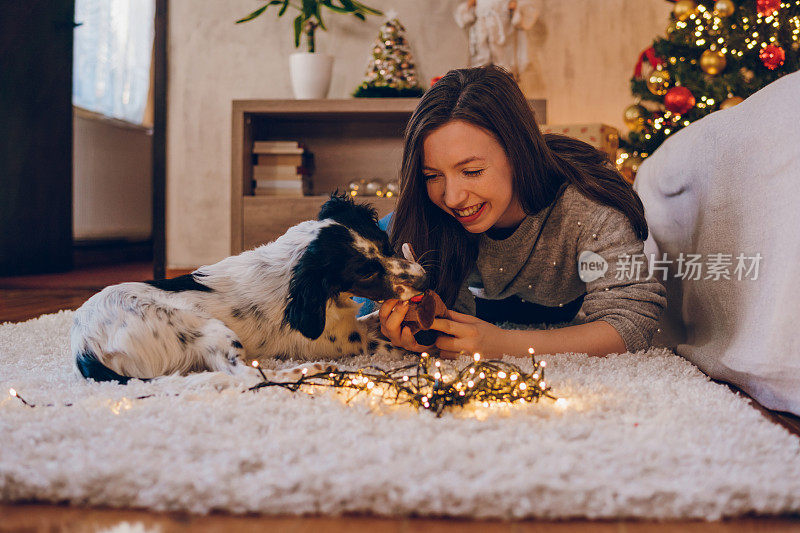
<point>530,350</point>
<point>501,375</point>
<point>514,377</point>
<point>523,386</point>
<point>476,356</point>
<point>470,383</point>
<point>255,364</point>
<point>12,392</point>
<point>543,364</point>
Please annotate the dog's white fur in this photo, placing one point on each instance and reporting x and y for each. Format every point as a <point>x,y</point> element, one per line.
<point>139,330</point>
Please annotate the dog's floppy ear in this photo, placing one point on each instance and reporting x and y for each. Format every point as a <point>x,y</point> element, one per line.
<point>315,280</point>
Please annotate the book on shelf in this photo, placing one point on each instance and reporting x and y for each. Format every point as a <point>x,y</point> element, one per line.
<point>288,187</point>
<point>297,160</point>
<point>278,147</point>
<point>282,172</point>
<point>263,191</point>
<point>278,184</point>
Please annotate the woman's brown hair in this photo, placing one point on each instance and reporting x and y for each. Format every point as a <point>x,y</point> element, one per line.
<point>488,97</point>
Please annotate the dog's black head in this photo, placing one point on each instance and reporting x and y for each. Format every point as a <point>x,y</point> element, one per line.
<point>351,254</point>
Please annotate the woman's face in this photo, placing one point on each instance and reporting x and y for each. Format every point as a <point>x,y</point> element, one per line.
<point>469,176</point>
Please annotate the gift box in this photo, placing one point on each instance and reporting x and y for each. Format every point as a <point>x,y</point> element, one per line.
<point>601,136</point>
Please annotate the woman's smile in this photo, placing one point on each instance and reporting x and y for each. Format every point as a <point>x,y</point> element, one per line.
<point>470,214</point>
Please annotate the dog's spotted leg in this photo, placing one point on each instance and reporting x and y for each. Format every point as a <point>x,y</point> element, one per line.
<point>220,349</point>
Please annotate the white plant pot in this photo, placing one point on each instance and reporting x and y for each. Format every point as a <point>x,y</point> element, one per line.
<point>311,74</point>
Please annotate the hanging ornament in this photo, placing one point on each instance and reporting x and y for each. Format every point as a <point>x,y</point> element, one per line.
<point>766,8</point>
<point>634,117</point>
<point>630,166</point>
<point>731,101</point>
<point>651,57</point>
<point>658,82</point>
<point>684,9</point>
<point>679,100</point>
<point>747,74</point>
<point>772,56</point>
<point>713,62</point>
<point>672,28</point>
<point>724,8</point>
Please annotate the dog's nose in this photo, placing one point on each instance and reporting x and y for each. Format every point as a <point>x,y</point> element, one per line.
<point>421,283</point>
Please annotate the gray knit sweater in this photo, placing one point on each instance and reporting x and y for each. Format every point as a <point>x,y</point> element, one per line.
<point>550,276</point>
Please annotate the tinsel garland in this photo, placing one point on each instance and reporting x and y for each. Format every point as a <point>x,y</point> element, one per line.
<point>424,384</point>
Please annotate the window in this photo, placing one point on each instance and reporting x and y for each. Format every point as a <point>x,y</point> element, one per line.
<point>112,56</point>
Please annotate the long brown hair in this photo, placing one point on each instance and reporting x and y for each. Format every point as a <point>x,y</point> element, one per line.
<point>488,97</point>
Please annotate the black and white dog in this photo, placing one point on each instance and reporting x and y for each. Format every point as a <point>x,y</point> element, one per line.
<point>288,299</point>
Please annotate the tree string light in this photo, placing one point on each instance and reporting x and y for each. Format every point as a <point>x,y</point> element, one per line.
<point>423,384</point>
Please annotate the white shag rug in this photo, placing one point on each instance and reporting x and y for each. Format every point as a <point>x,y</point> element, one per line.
<point>640,435</point>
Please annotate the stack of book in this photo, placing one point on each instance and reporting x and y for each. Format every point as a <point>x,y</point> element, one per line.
<point>281,168</point>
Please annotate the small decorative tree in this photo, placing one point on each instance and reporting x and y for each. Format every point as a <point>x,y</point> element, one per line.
<point>391,70</point>
<point>310,17</point>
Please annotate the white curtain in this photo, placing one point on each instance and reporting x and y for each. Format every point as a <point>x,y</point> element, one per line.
<point>113,50</point>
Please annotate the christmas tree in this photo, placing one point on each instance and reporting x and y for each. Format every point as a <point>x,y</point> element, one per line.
<point>716,54</point>
<point>391,70</point>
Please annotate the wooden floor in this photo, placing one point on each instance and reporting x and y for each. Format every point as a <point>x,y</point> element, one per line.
<point>26,297</point>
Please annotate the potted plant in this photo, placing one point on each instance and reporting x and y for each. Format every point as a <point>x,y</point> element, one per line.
<point>311,71</point>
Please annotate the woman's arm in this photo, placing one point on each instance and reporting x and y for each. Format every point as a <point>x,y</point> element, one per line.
<point>470,334</point>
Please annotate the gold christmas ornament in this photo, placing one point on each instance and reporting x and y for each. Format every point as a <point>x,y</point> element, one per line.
<point>658,82</point>
<point>630,167</point>
<point>747,74</point>
<point>730,102</point>
<point>672,28</point>
<point>634,117</point>
<point>713,62</point>
<point>724,8</point>
<point>684,9</point>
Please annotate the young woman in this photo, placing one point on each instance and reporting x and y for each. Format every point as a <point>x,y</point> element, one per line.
<point>516,226</point>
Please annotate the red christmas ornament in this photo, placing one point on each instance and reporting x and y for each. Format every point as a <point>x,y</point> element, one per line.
<point>679,100</point>
<point>772,56</point>
<point>767,7</point>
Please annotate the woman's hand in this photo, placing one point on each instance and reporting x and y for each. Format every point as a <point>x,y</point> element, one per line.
<point>466,333</point>
<point>391,314</point>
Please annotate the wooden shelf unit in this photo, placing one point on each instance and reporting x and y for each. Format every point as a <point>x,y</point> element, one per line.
<point>349,139</point>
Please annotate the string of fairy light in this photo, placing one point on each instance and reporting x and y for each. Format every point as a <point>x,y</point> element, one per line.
<point>716,53</point>
<point>427,383</point>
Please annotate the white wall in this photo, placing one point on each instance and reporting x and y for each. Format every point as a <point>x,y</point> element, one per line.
<point>112,179</point>
<point>583,52</point>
